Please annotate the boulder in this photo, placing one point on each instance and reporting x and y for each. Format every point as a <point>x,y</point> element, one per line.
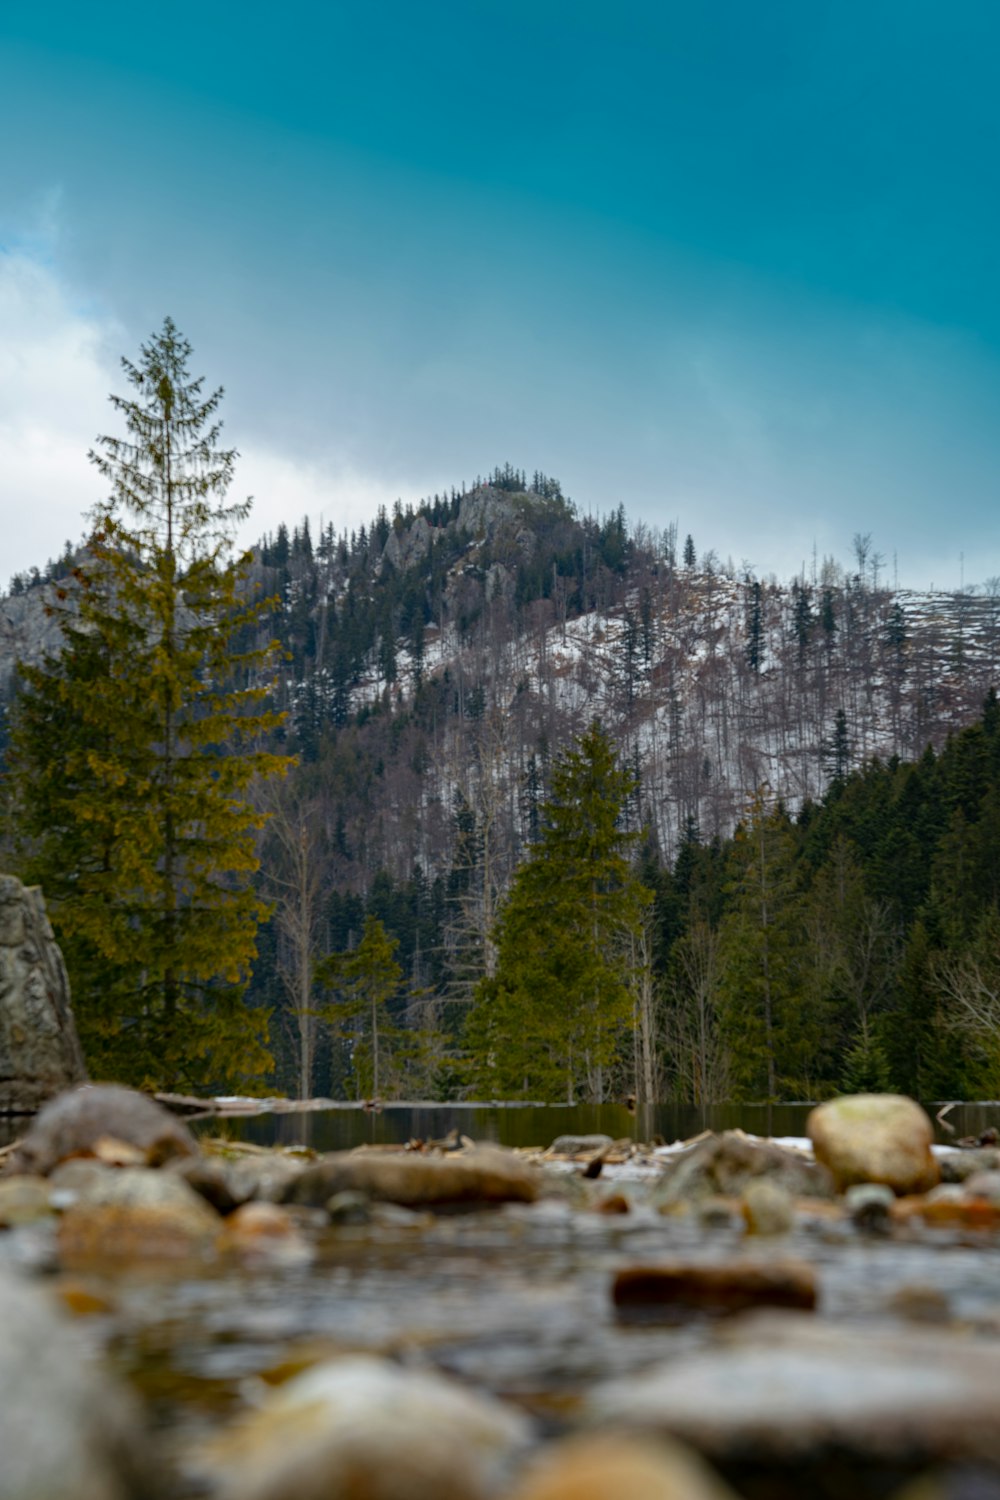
<point>480,1178</point>
<point>617,1468</point>
<point>724,1166</point>
<point>726,1286</point>
<point>580,1145</point>
<point>65,1427</point>
<point>99,1120</point>
<point>361,1428</point>
<point>39,1049</point>
<point>882,1138</point>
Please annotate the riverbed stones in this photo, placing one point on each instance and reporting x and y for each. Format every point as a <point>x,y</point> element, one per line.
<point>725,1165</point>
<point>875,1138</point>
<point>479,1178</point>
<point>362,1428</point>
<point>617,1468</point>
<point>84,1120</point>
<point>791,1395</point>
<point>135,1214</point>
<point>65,1428</point>
<point>39,1048</point>
<point>726,1286</point>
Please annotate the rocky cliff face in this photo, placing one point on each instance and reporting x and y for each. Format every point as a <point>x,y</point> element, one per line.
<point>27,631</point>
<point>39,1049</point>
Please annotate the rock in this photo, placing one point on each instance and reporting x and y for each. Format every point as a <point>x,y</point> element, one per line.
<point>480,1178</point>
<point>135,1214</point>
<point>875,1138</point>
<point>580,1145</point>
<point>265,1178</point>
<point>949,1204</point>
<point>767,1207</point>
<point>729,1286</point>
<point>256,1225</point>
<point>956,1166</point>
<point>800,1398</point>
<point>350,1208</point>
<point>65,1428</point>
<point>984,1185</point>
<point>79,1122</point>
<point>39,1049</point>
<point>724,1165</point>
<point>870,1206</point>
<point>23,1200</point>
<point>364,1429</point>
<point>617,1468</point>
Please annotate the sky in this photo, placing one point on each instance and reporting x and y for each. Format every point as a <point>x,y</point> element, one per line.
<point>731,266</point>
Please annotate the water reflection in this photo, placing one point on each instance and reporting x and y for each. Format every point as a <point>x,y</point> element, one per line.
<point>539,1124</point>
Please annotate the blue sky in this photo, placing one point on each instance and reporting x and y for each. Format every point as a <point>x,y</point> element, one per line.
<point>729,265</point>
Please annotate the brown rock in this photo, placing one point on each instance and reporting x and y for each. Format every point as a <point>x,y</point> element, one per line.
<point>618,1468</point>
<point>135,1214</point>
<point>413,1181</point>
<point>101,1118</point>
<point>875,1138</point>
<point>730,1286</point>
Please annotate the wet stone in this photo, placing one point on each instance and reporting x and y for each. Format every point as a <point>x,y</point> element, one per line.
<point>413,1181</point>
<point>869,1205</point>
<point>728,1286</point>
<point>580,1145</point>
<point>135,1214</point>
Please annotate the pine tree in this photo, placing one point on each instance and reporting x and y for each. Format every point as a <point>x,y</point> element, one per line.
<point>365,979</point>
<point>134,749</point>
<point>552,1020</point>
<point>766,1020</point>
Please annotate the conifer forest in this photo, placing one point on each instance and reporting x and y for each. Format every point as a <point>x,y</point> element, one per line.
<point>493,799</point>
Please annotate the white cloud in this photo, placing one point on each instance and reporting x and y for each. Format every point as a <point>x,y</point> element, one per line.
<point>58,362</point>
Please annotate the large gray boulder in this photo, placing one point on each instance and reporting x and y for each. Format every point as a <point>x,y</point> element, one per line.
<point>40,1051</point>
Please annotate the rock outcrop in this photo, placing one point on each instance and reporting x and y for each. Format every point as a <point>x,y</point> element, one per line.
<point>39,1049</point>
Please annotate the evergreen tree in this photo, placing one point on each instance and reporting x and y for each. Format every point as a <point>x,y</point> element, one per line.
<point>132,751</point>
<point>552,1020</point>
<point>365,979</point>
<point>765,1019</point>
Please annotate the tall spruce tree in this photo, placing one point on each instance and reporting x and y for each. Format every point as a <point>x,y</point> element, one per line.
<point>134,747</point>
<point>554,1019</point>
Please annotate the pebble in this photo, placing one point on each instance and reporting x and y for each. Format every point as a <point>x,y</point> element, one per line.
<point>767,1208</point>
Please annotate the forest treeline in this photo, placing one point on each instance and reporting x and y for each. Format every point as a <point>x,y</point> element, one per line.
<point>312,818</point>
